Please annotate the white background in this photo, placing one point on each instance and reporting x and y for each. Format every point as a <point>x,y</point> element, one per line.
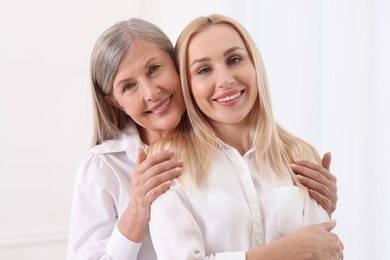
<point>328,64</point>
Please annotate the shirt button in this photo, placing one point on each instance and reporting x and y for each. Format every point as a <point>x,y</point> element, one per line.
<point>252,201</point>
<point>242,170</point>
<point>258,239</point>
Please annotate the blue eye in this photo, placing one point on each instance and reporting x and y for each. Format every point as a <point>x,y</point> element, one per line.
<point>128,87</point>
<point>203,70</point>
<point>154,68</point>
<point>234,59</point>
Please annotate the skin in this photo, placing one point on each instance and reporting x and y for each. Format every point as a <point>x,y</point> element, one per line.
<point>141,90</point>
<point>223,83</point>
<point>322,185</point>
<point>149,92</point>
<point>315,242</point>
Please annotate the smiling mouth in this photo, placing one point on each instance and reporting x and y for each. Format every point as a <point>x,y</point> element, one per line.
<point>228,98</point>
<point>156,110</point>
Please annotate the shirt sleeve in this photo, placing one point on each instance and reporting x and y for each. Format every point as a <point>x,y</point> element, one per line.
<point>93,232</point>
<point>175,232</point>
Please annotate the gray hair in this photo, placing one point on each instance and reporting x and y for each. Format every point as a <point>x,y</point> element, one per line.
<point>109,50</point>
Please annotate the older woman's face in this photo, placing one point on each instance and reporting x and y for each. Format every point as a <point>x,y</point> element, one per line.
<point>147,88</point>
<point>222,76</point>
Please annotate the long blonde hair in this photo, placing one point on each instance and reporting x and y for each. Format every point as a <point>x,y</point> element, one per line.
<point>109,50</point>
<point>275,148</point>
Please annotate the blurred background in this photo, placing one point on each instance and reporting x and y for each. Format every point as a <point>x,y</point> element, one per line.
<point>328,64</point>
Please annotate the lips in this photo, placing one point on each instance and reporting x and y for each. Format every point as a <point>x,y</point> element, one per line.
<point>161,106</point>
<point>227,98</point>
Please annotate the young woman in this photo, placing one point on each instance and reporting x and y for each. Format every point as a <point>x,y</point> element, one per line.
<point>237,197</point>
<point>137,100</point>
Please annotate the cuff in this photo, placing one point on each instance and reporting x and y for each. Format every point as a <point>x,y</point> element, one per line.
<point>120,247</point>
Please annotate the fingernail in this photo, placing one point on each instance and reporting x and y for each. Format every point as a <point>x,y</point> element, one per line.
<point>293,165</point>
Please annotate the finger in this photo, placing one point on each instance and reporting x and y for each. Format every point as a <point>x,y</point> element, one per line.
<point>313,167</point>
<point>154,193</point>
<point>328,226</point>
<point>162,177</point>
<point>322,171</point>
<point>157,184</point>
<point>310,173</point>
<point>341,249</point>
<point>141,156</point>
<point>163,167</point>
<point>313,184</point>
<point>326,160</point>
<point>324,201</point>
<point>155,159</point>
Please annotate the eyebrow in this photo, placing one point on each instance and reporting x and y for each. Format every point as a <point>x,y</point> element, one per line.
<point>149,61</point>
<point>224,54</point>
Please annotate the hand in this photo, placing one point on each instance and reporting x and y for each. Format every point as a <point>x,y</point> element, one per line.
<point>318,242</point>
<point>315,242</point>
<point>322,185</point>
<point>150,178</point>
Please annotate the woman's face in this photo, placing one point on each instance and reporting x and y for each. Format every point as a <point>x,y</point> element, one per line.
<point>222,76</point>
<point>147,88</point>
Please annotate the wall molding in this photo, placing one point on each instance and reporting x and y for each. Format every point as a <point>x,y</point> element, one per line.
<point>34,236</point>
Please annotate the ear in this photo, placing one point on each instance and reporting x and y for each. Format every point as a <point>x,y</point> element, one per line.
<point>112,102</point>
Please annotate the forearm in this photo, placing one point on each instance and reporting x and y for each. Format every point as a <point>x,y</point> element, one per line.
<point>133,222</point>
<point>284,248</point>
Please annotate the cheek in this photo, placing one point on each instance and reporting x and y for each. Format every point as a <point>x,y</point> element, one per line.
<point>131,106</point>
<point>200,91</point>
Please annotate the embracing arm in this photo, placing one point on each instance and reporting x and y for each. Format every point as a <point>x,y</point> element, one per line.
<point>93,224</point>
<point>95,232</point>
<point>315,242</point>
<point>322,184</point>
<point>149,179</point>
<point>177,234</point>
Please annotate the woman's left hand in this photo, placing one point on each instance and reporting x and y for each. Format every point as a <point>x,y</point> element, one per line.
<point>322,185</point>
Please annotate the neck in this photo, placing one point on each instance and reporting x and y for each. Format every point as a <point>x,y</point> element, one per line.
<point>149,136</point>
<point>236,135</point>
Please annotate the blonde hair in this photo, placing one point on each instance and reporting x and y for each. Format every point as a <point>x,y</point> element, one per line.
<point>109,50</point>
<point>275,148</point>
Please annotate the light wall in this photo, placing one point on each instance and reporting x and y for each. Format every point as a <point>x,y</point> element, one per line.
<point>328,65</point>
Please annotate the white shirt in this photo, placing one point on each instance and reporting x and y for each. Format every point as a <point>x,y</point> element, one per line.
<point>233,211</point>
<point>101,194</point>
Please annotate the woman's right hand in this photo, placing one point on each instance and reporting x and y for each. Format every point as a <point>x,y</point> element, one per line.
<point>318,242</point>
<point>315,242</point>
<point>150,178</point>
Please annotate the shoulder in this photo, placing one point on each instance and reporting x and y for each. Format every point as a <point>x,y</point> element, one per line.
<point>114,157</point>
<point>128,140</point>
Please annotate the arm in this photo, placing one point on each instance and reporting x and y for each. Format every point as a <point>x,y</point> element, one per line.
<point>95,232</point>
<point>322,185</point>
<point>177,234</point>
<point>313,242</point>
<point>149,179</point>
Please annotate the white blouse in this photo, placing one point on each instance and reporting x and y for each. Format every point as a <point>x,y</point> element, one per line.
<point>233,211</point>
<point>101,194</point>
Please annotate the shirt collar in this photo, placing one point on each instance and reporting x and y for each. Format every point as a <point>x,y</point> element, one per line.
<point>128,141</point>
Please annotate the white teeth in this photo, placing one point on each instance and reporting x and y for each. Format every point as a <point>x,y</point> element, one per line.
<point>161,107</point>
<point>228,98</point>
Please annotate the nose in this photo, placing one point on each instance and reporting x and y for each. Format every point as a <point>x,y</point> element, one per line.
<point>150,90</point>
<point>224,76</point>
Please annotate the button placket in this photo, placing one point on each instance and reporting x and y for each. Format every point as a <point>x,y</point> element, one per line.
<point>253,203</point>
